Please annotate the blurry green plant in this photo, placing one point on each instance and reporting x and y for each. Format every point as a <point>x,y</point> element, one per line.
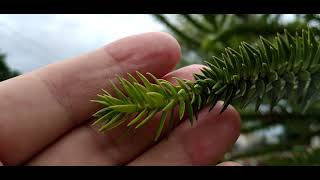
<point>205,35</point>
<point>5,71</point>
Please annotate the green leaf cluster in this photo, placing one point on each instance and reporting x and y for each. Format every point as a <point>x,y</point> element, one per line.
<point>142,100</point>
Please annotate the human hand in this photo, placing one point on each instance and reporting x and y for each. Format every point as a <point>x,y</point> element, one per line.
<point>44,114</point>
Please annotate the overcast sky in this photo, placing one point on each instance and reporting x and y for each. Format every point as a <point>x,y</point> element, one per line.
<point>31,41</point>
<point>34,40</point>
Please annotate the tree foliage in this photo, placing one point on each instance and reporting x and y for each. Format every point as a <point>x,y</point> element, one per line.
<point>204,35</point>
<point>5,71</point>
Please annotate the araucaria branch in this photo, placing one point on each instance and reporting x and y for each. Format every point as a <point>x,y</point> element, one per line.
<point>287,68</point>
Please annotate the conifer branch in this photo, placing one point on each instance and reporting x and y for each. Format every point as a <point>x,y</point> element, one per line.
<point>286,69</point>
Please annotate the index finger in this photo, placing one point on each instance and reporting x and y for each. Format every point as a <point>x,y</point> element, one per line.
<point>39,107</point>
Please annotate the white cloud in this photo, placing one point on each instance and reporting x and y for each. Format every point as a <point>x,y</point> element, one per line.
<point>32,41</point>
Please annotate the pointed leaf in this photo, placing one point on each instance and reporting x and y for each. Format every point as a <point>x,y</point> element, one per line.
<point>105,117</point>
<point>145,81</point>
<point>149,117</point>
<point>171,121</point>
<point>137,118</point>
<point>158,98</point>
<point>170,105</point>
<point>190,112</point>
<point>230,94</point>
<point>101,112</point>
<point>117,91</point>
<point>125,108</point>
<point>133,80</point>
<point>101,102</point>
<point>161,124</point>
<point>112,121</point>
<point>181,108</point>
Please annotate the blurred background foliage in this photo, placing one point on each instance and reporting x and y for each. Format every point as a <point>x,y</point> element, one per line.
<point>5,71</point>
<point>277,137</point>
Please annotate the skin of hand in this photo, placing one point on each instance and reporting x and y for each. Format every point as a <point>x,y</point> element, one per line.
<point>45,114</point>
